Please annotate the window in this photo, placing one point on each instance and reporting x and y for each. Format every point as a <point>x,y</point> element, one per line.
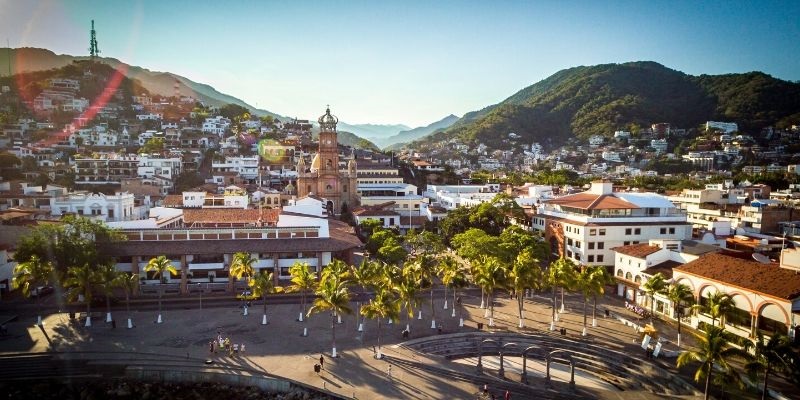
<point>591,258</point>
<point>626,243</point>
<point>619,273</point>
<point>391,221</point>
<point>591,245</point>
<point>663,231</point>
<point>602,232</point>
<point>592,232</point>
<point>637,231</point>
<point>577,243</point>
<point>569,242</point>
<point>569,254</point>
<point>600,258</point>
<point>628,231</point>
<point>601,245</point>
<point>671,231</point>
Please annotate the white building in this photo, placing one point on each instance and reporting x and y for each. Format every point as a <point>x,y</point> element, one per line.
<point>152,165</point>
<point>596,141</point>
<point>586,226</point>
<point>117,207</point>
<point>246,167</point>
<point>216,125</point>
<point>659,145</point>
<point>149,117</point>
<point>726,127</point>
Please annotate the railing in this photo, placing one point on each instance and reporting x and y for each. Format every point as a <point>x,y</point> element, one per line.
<point>221,233</point>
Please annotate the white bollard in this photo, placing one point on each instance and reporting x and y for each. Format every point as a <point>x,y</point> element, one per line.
<point>390,322</point>
<point>88,321</point>
<point>556,317</point>
<point>594,322</point>
<point>379,355</point>
<point>483,304</point>
<point>445,305</point>
<point>264,319</point>
<point>408,328</point>
<point>338,319</point>
<point>130,323</point>
<point>38,320</point>
<point>679,340</point>
<point>419,315</point>
<point>108,317</point>
<point>461,322</point>
<point>360,327</point>
<point>583,333</point>
<point>433,324</point>
<point>486,313</point>
<point>300,317</point>
<point>159,320</point>
<point>333,353</point>
<point>305,332</point>
<point>245,311</point>
<point>552,326</point>
<point>520,324</point>
<point>561,310</point>
<point>453,314</point>
<point>491,321</point>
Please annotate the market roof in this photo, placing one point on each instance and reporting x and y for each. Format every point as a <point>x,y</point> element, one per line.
<point>768,279</point>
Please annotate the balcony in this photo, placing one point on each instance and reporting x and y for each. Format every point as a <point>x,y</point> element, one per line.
<point>221,233</point>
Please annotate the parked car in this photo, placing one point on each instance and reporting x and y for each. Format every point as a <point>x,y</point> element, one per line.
<point>41,291</point>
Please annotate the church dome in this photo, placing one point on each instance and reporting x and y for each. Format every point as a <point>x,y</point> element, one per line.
<point>327,122</point>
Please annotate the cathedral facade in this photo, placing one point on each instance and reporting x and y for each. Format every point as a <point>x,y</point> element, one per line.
<point>323,178</point>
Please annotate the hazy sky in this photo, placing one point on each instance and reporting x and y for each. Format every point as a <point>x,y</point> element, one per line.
<point>407,62</point>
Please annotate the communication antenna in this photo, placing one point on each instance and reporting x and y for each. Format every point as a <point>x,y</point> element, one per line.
<point>761,258</point>
<point>93,51</point>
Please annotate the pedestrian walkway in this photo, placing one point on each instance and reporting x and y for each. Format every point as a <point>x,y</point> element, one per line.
<point>279,348</point>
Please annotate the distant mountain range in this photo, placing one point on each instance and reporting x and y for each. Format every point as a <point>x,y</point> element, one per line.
<point>406,136</point>
<point>583,101</point>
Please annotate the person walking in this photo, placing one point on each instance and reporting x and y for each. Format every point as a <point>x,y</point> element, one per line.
<point>321,362</point>
<point>241,348</point>
<point>508,395</point>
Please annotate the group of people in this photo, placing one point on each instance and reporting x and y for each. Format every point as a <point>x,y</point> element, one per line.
<point>225,345</point>
<point>487,395</point>
<point>638,310</point>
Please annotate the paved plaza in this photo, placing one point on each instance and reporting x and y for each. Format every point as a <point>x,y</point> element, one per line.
<point>279,348</point>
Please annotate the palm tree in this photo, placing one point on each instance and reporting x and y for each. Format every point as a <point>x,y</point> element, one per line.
<point>561,274</point>
<point>382,306</point>
<point>656,284</point>
<point>491,276</point>
<point>526,274</point>
<point>679,294</point>
<point>445,269</point>
<point>769,356</point>
<point>333,296</point>
<point>242,266</point>
<point>128,282</point>
<point>81,281</point>
<point>107,279</point>
<point>30,275</point>
<point>455,276</point>
<point>407,290</point>
<point>362,277</point>
<point>591,281</point>
<point>712,349</point>
<point>718,306</point>
<point>303,281</point>
<point>261,285</point>
<point>159,266</point>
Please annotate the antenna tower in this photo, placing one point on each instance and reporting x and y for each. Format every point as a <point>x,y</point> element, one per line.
<point>93,51</point>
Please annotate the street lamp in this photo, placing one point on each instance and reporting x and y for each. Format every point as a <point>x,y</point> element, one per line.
<point>200,288</point>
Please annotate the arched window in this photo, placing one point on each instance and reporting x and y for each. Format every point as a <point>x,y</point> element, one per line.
<point>329,163</point>
<point>628,276</point>
<point>619,273</point>
<point>328,187</point>
<point>638,279</point>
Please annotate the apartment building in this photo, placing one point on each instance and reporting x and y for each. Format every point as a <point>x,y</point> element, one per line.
<point>586,226</point>
<point>246,167</point>
<point>116,207</point>
<point>104,168</point>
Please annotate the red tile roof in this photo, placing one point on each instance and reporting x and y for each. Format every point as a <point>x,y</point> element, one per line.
<point>229,216</point>
<point>747,274</point>
<point>639,250</point>
<point>588,201</point>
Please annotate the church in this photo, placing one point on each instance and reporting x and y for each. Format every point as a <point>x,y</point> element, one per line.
<point>324,179</point>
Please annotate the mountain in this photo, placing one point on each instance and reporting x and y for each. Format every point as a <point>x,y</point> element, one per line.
<point>416,133</point>
<point>29,59</point>
<point>587,100</point>
<point>372,131</point>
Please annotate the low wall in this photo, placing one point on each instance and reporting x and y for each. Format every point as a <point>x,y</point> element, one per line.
<point>265,383</point>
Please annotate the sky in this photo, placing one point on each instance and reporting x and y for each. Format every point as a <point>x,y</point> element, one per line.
<point>407,62</point>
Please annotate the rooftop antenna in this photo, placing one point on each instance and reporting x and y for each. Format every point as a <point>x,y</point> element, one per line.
<point>8,53</point>
<point>93,51</point>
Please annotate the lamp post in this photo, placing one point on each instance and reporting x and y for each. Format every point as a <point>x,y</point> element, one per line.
<point>200,288</point>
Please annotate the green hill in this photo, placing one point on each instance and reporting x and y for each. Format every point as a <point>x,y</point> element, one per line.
<point>583,101</point>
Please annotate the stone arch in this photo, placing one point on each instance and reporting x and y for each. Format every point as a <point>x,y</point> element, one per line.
<point>734,296</point>
<point>688,282</point>
<point>702,288</point>
<point>766,303</point>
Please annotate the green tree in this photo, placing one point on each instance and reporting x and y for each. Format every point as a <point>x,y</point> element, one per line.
<point>773,355</point>
<point>382,306</point>
<point>242,266</point>
<point>304,280</point>
<point>492,275</point>
<point>560,275</point>
<point>392,252</point>
<point>591,281</point>
<point>128,282</point>
<point>679,294</point>
<point>107,280</point>
<point>262,285</point>
<point>232,111</point>
<point>713,348</point>
<point>407,290</point>
<point>718,305</point>
<point>656,284</point>
<point>29,276</point>
<point>160,266</point>
<point>526,274</point>
<point>332,296</point>
<point>153,146</point>
<point>80,281</point>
